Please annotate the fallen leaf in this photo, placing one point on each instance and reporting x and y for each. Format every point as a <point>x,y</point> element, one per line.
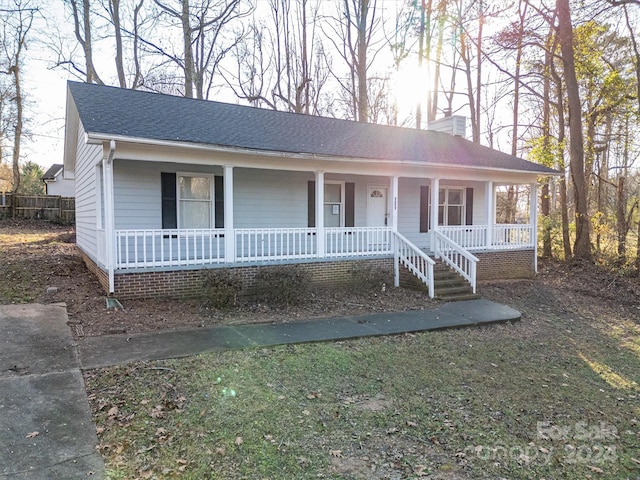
<point>181,461</point>
<point>411,424</point>
<point>99,430</point>
<point>336,453</point>
<point>420,470</point>
<point>239,441</point>
<point>113,412</point>
<point>595,469</point>
<point>313,395</point>
<point>32,434</point>
<point>221,451</point>
<point>392,430</point>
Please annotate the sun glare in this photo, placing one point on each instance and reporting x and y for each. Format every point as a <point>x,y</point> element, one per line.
<point>410,86</point>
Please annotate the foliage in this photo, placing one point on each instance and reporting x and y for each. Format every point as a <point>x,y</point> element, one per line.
<point>282,284</point>
<point>220,287</point>
<point>368,277</point>
<point>31,179</point>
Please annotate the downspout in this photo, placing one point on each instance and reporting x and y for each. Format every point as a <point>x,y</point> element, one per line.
<point>109,225</point>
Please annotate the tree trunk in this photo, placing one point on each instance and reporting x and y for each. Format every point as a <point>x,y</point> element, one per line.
<point>621,221</point>
<point>188,52</point>
<point>545,204</point>
<point>363,97</point>
<point>582,245</point>
<point>15,69</point>
<point>115,17</point>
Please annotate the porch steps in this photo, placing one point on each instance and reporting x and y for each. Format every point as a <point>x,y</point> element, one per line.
<point>450,286</point>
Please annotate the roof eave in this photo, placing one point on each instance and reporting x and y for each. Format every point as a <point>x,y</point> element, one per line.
<point>99,138</point>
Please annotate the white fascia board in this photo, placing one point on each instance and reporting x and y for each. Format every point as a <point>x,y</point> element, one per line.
<point>133,149</point>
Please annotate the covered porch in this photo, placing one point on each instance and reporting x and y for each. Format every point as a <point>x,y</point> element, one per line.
<point>385,218</point>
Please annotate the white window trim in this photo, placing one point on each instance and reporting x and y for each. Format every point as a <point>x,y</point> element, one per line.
<point>211,196</point>
<point>445,205</point>
<point>341,202</point>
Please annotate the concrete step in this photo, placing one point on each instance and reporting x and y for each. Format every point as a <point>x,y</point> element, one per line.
<point>445,290</point>
<point>460,297</point>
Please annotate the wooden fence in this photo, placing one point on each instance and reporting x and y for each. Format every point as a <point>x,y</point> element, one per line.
<point>45,207</point>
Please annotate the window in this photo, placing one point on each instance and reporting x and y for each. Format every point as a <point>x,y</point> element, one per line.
<point>451,206</point>
<point>455,207</point>
<point>333,204</point>
<point>194,201</point>
<point>339,197</point>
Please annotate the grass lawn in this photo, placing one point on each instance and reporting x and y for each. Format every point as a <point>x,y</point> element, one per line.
<point>553,396</point>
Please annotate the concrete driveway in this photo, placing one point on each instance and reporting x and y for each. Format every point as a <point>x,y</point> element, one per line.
<point>46,430</point>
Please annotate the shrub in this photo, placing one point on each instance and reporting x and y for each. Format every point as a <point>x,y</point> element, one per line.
<point>221,287</point>
<point>366,277</point>
<point>282,285</point>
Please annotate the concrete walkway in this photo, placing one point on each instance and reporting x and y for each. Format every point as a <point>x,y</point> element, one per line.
<point>110,350</point>
<point>46,430</point>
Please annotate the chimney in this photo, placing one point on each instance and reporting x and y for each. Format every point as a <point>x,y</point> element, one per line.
<point>455,125</point>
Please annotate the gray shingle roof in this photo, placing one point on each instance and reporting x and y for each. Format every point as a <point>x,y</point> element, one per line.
<point>50,174</point>
<point>143,115</point>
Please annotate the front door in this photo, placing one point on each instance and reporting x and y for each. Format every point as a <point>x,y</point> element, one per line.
<point>377,206</point>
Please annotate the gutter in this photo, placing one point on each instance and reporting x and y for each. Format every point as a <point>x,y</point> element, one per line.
<point>109,226</point>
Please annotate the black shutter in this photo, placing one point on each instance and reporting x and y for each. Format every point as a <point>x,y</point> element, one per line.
<point>424,208</point>
<point>218,199</point>
<point>349,204</point>
<point>169,207</point>
<point>311,203</point>
<point>469,219</point>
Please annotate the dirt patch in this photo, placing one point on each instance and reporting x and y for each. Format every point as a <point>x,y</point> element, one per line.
<point>42,264</point>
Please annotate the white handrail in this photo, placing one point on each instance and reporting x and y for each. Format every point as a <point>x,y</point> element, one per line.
<point>166,248</point>
<point>461,260</point>
<point>416,261</point>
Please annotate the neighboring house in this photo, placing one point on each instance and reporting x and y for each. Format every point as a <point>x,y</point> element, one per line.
<point>167,186</point>
<point>56,183</point>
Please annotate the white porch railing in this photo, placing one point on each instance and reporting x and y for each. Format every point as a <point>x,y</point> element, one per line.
<point>165,248</point>
<point>416,261</point>
<point>510,236</point>
<point>503,236</point>
<point>456,257</point>
<point>357,241</point>
<point>265,244</point>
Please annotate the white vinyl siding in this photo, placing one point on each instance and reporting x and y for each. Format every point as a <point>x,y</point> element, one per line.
<point>270,198</point>
<point>85,178</point>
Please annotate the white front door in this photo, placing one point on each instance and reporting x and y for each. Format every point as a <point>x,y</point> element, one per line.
<point>377,206</point>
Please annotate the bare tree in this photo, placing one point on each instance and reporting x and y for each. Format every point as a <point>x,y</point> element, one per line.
<point>281,63</point>
<point>16,25</point>
<point>352,33</point>
<point>206,38</point>
<point>83,26</point>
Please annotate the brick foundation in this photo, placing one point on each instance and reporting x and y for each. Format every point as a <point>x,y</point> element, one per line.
<point>505,265</point>
<point>188,283</point>
<point>102,276</point>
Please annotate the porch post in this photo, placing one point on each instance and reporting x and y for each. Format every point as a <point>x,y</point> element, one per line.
<point>489,194</point>
<point>320,214</point>
<point>533,221</point>
<point>229,233</point>
<point>394,228</point>
<point>435,197</point>
<point>394,204</point>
